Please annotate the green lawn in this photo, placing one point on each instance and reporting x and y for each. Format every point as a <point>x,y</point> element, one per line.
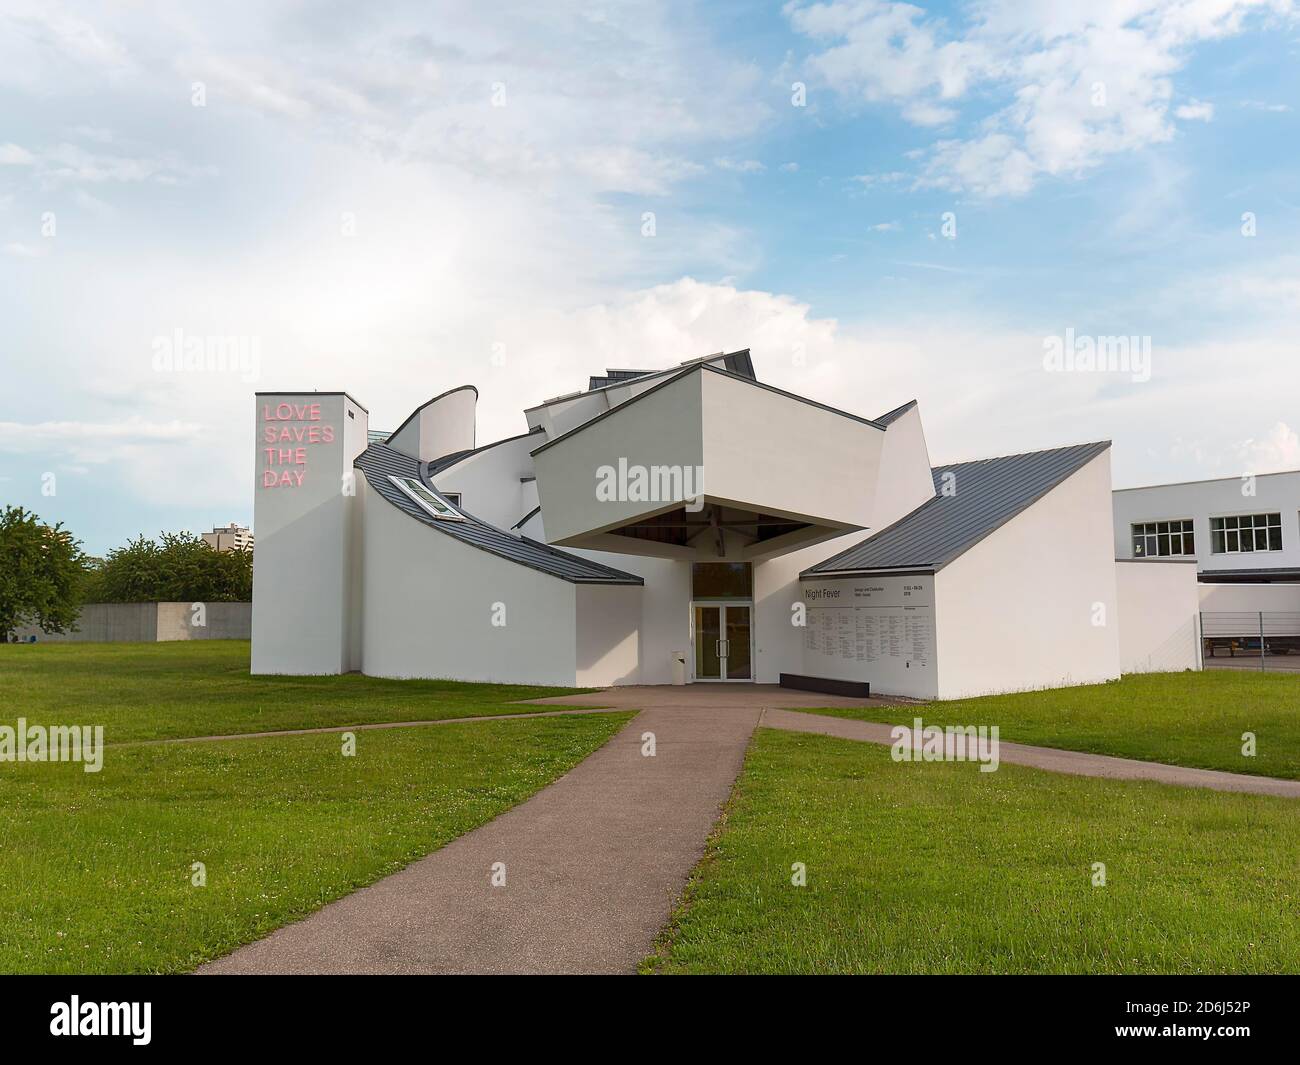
<point>938,868</point>
<point>95,868</point>
<point>147,691</point>
<point>1192,719</point>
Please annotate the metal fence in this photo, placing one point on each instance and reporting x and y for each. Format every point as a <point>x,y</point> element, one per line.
<point>1263,639</point>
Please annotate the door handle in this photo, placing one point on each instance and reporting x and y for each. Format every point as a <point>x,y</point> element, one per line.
<point>717,648</point>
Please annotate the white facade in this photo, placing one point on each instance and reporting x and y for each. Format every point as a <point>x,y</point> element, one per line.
<point>1201,503</point>
<point>1158,607</point>
<point>674,514</point>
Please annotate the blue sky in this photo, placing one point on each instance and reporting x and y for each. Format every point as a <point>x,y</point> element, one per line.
<point>380,197</point>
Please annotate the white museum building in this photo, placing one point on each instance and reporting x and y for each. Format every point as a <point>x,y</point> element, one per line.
<point>694,525</point>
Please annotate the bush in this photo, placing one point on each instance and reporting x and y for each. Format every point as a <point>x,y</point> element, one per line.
<point>176,568</point>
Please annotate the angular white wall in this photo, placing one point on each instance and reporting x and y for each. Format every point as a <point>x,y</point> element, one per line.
<point>1017,610</point>
<point>906,480</point>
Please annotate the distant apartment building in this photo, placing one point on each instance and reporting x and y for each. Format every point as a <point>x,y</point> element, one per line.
<point>230,537</point>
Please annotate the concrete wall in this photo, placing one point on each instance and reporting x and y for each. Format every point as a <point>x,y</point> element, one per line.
<point>1017,610</point>
<point>608,635</point>
<point>149,622</point>
<point>304,580</point>
<point>1241,598</point>
<point>429,600</point>
<point>1158,603</point>
<point>1199,500</point>
<point>664,603</point>
<point>779,644</point>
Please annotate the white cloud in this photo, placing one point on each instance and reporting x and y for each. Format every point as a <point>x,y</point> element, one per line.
<point>886,227</point>
<point>15,155</point>
<point>1195,111</point>
<point>70,163</point>
<point>740,166</point>
<point>1085,81</point>
<point>868,181</point>
<point>1278,450</point>
<point>90,442</point>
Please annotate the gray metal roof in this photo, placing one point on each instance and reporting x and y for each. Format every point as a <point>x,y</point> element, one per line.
<point>1264,575</point>
<point>988,493</point>
<point>379,461</point>
<point>896,413</point>
<point>614,377</point>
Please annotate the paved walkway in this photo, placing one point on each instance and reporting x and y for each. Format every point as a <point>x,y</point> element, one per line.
<point>277,733</point>
<point>594,865</point>
<point>1075,763</point>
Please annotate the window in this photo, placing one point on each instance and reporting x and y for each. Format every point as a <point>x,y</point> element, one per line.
<point>1246,532</point>
<point>722,580</point>
<point>1153,539</point>
<point>428,500</point>
<point>452,497</point>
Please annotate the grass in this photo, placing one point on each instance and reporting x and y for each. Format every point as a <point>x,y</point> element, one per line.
<point>95,869</point>
<point>1191,719</point>
<point>938,868</point>
<point>163,690</point>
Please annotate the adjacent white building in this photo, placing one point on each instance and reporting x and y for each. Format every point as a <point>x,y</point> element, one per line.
<point>1241,533</point>
<point>692,525</point>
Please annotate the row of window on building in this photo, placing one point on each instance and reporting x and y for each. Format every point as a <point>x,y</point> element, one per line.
<point>1231,535</point>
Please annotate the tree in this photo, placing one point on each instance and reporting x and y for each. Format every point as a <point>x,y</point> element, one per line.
<point>176,568</point>
<point>41,573</point>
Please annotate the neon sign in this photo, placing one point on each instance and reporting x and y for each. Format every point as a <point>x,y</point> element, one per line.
<point>288,432</point>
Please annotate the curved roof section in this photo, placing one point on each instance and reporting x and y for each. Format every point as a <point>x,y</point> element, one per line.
<point>989,493</point>
<point>379,461</point>
<point>446,462</point>
<point>441,395</point>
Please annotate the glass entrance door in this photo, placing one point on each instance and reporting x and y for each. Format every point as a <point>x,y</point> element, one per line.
<point>722,641</point>
<point>708,643</point>
<point>735,642</point>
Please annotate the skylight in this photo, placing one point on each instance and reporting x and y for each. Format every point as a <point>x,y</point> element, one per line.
<point>427,499</point>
